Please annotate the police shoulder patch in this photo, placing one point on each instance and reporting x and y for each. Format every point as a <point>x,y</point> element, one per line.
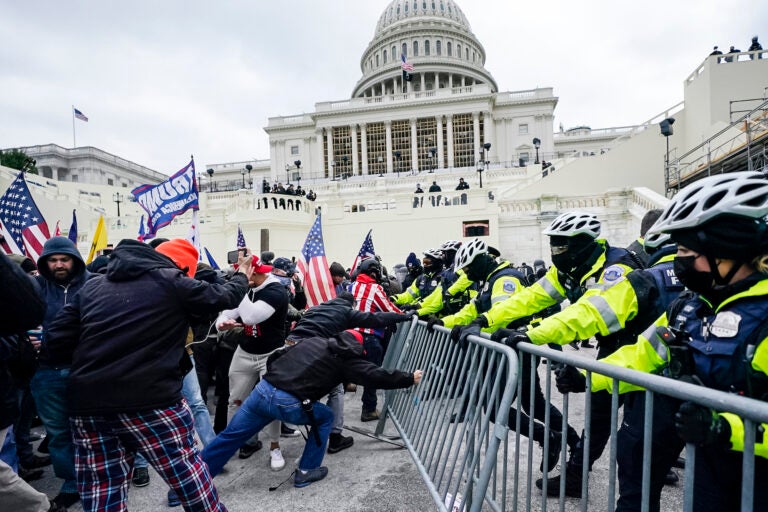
<point>613,273</point>
<point>509,286</point>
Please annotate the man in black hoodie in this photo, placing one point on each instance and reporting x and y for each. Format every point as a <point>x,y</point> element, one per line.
<point>326,320</point>
<point>123,337</point>
<point>297,377</point>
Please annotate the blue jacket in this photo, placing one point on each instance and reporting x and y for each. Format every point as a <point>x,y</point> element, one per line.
<point>56,295</point>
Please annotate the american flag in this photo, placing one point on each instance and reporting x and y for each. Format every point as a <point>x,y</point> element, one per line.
<point>142,231</point>
<point>80,115</point>
<point>193,235</point>
<point>314,267</point>
<point>240,238</point>
<point>22,225</point>
<point>407,66</point>
<point>366,251</point>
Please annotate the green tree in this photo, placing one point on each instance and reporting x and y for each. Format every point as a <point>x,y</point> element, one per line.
<point>15,159</point>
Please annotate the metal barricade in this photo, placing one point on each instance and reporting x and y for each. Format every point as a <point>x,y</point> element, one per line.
<point>454,422</point>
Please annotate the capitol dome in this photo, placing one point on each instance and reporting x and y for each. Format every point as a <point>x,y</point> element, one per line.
<point>436,39</point>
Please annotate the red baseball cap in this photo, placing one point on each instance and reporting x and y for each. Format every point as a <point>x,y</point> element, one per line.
<point>259,267</point>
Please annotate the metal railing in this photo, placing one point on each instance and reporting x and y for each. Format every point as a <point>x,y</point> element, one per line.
<point>455,424</point>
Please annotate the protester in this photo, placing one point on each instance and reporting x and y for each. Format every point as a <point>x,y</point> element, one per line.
<point>296,378</point>
<point>125,395</point>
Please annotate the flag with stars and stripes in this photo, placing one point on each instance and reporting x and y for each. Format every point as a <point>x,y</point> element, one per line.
<point>314,267</point>
<point>366,251</point>
<point>22,225</point>
<point>240,238</point>
<point>193,235</point>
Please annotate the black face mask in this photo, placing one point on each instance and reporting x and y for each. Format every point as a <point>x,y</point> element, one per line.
<point>573,257</point>
<point>695,280</point>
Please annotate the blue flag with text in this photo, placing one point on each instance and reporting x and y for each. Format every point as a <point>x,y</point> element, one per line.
<point>168,199</point>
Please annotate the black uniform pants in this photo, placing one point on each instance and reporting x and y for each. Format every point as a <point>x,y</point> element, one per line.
<point>717,481</point>
<point>665,448</point>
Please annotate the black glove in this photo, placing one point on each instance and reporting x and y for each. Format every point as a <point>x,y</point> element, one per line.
<point>460,334</point>
<point>570,380</point>
<point>510,337</point>
<point>432,321</point>
<point>409,307</point>
<point>701,425</point>
<point>407,316</point>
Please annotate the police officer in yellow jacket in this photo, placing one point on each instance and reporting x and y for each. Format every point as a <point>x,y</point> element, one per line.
<point>603,303</point>
<point>423,285</point>
<point>455,289</point>
<point>722,235</point>
<point>498,282</point>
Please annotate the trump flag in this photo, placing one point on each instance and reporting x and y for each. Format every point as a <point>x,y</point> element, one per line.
<point>168,199</point>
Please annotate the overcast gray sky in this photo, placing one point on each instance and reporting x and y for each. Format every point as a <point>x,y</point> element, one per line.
<point>161,80</point>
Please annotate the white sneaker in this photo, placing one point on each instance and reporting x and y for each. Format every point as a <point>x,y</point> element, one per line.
<point>276,462</point>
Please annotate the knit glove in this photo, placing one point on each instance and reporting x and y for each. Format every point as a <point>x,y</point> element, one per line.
<point>701,425</point>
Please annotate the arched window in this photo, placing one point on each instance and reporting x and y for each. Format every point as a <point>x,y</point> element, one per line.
<point>406,8</point>
<point>448,47</point>
<point>458,50</point>
<point>442,6</point>
<point>405,49</point>
<point>384,55</point>
<point>415,4</point>
<point>438,47</point>
<point>466,53</point>
<point>415,48</point>
<point>394,52</point>
<point>424,5</point>
<point>426,47</point>
<point>377,60</point>
<point>474,57</point>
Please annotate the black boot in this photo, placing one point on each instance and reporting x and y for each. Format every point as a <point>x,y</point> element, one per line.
<point>572,483</point>
<point>554,451</point>
<point>338,442</point>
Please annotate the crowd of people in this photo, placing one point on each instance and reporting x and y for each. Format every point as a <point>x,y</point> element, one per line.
<point>755,46</point>
<point>289,190</point>
<point>117,360</point>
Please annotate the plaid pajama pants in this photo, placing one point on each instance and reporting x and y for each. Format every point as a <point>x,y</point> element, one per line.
<point>105,447</point>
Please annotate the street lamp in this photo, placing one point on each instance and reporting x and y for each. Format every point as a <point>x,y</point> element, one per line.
<point>537,145</point>
<point>242,173</point>
<point>210,181</point>
<point>249,168</point>
<point>483,161</point>
<point>432,159</point>
<point>297,163</point>
<point>332,163</point>
<point>398,156</point>
<point>380,159</point>
<point>345,171</point>
<point>117,198</point>
<point>288,174</point>
<point>666,131</point>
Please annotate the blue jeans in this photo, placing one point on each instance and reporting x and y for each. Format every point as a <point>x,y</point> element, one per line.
<point>8,450</point>
<point>374,353</point>
<point>190,390</point>
<point>49,387</point>
<point>265,404</point>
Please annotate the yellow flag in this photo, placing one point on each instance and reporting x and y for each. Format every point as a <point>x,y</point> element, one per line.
<point>99,239</point>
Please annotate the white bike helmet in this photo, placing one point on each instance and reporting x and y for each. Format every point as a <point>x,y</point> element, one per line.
<point>469,251</point>
<point>655,240</point>
<point>574,223</point>
<point>740,194</point>
<point>435,254</point>
<point>451,245</point>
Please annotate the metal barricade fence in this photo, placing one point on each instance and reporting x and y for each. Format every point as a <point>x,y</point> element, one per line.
<point>454,422</point>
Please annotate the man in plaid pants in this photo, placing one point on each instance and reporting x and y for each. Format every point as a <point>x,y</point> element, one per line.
<point>124,334</point>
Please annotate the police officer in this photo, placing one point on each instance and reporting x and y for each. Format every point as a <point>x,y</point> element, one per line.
<point>497,282</point>
<point>423,285</point>
<point>722,249</point>
<point>583,265</point>
<point>455,289</point>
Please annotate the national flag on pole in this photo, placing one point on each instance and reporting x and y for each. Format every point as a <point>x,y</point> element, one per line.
<point>80,115</point>
<point>211,261</point>
<point>168,199</point>
<point>142,232</point>
<point>72,235</point>
<point>99,239</point>
<point>314,267</point>
<point>22,225</point>
<point>193,236</point>
<point>366,251</point>
<point>57,231</point>
<point>240,238</point>
<point>407,66</point>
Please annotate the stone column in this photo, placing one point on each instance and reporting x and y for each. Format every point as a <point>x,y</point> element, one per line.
<point>440,152</point>
<point>355,160</point>
<point>450,80</point>
<point>364,147</point>
<point>423,82</point>
<point>488,129</point>
<point>449,129</point>
<point>331,157</point>
<point>414,146</point>
<point>319,164</point>
<point>388,126</point>
<point>476,135</point>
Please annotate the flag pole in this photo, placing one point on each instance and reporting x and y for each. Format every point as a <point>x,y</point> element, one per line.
<point>74,140</point>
